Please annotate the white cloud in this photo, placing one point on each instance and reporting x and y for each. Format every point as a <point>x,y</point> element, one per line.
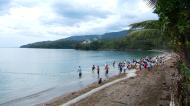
<point>30,21</point>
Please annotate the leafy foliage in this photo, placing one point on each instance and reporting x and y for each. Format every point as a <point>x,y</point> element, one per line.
<point>151,3</point>
<point>184,70</point>
<point>184,84</point>
<point>145,38</point>
<point>149,24</point>
<point>174,17</point>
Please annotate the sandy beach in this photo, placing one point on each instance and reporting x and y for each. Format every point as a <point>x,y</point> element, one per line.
<point>148,88</point>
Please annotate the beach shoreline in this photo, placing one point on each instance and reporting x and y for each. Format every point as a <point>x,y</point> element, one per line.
<point>67,97</point>
<point>158,87</point>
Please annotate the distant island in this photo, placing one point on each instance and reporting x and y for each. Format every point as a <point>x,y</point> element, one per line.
<point>120,40</point>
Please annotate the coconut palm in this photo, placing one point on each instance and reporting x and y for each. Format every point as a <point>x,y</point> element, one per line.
<point>174,18</point>
<point>148,33</point>
<point>145,28</point>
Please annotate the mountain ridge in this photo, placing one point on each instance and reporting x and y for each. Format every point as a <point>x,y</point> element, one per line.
<point>70,42</point>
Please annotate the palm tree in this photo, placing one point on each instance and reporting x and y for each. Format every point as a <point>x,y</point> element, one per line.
<point>147,34</point>
<point>151,2</point>
<point>149,28</point>
<point>174,17</point>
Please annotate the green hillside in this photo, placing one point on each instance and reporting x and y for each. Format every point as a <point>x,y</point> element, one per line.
<point>73,41</point>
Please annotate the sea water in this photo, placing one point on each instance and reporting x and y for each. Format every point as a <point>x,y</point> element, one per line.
<point>32,76</point>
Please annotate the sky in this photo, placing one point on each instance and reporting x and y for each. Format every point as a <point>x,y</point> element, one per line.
<point>27,21</point>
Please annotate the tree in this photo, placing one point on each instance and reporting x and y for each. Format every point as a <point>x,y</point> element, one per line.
<point>150,31</point>
<point>174,16</point>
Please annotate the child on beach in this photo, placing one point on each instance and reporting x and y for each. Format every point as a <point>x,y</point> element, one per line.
<point>100,81</point>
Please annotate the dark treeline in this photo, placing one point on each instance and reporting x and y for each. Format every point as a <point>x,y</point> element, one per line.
<point>52,45</point>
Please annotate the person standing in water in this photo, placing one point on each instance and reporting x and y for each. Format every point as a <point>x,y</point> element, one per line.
<point>107,69</point>
<point>98,70</point>
<point>125,68</point>
<point>114,64</point>
<point>93,67</point>
<point>120,67</point>
<point>80,72</point>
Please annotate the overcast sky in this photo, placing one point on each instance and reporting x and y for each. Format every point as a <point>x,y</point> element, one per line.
<point>27,21</point>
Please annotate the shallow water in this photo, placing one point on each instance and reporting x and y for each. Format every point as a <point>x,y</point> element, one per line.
<point>31,76</point>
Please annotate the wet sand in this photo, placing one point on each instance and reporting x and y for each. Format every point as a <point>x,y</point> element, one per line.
<point>63,99</point>
<point>148,88</point>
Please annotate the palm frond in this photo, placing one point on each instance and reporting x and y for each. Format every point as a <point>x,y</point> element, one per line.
<point>145,32</point>
<point>151,3</point>
<point>149,24</point>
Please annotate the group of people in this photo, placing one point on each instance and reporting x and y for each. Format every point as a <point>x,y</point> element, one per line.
<point>123,66</point>
<point>97,68</point>
<point>143,63</point>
